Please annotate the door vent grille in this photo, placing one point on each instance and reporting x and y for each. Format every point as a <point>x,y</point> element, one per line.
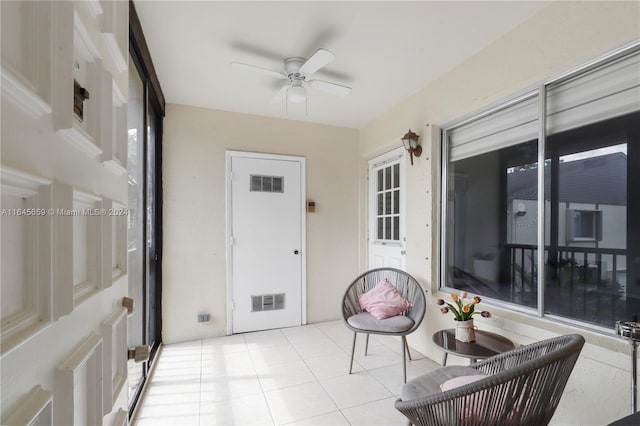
<point>267,302</point>
<point>261,183</point>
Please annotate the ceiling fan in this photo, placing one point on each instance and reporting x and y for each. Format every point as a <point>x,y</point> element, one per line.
<point>297,71</point>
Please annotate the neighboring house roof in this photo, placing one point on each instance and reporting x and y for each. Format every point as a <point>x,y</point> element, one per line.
<point>597,180</point>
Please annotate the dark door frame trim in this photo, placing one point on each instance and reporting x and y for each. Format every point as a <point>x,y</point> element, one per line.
<point>138,44</point>
<point>154,104</point>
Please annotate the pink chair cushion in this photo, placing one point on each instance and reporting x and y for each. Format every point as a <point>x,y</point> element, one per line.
<point>384,301</point>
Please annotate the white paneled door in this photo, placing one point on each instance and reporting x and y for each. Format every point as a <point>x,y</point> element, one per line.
<point>266,241</point>
<point>387,210</point>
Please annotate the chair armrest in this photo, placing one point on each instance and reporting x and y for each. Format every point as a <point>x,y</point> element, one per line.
<point>487,401</point>
<point>513,358</point>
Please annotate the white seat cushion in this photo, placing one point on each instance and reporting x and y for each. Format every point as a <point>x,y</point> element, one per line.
<point>366,322</point>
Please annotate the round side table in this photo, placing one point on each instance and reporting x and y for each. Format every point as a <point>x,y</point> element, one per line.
<point>487,344</point>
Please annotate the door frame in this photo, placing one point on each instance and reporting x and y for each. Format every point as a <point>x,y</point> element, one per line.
<point>389,156</point>
<point>229,155</point>
<point>154,104</point>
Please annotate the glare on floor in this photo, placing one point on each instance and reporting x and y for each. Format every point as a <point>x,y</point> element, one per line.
<point>292,376</point>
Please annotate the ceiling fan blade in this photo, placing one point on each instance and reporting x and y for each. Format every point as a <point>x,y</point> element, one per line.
<point>318,60</point>
<point>264,71</point>
<point>280,95</point>
<point>332,88</point>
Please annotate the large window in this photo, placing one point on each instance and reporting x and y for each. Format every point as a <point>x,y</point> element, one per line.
<point>542,198</point>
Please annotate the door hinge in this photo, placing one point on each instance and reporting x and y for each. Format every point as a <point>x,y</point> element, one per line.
<point>231,241</point>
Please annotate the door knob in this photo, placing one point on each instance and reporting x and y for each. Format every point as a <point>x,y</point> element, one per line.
<point>127,302</point>
<point>139,354</point>
<point>296,252</point>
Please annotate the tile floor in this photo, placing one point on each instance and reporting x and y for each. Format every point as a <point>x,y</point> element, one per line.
<point>288,376</point>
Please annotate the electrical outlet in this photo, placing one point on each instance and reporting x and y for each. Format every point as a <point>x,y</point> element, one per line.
<point>203,317</point>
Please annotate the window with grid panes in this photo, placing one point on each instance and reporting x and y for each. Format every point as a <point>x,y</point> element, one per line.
<point>388,203</point>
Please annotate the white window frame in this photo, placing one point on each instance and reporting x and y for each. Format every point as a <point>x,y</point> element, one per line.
<point>391,158</point>
<point>596,226</point>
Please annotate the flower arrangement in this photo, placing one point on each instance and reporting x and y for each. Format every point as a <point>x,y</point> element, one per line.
<point>461,310</point>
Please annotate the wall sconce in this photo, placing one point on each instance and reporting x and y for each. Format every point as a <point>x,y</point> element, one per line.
<point>410,142</point>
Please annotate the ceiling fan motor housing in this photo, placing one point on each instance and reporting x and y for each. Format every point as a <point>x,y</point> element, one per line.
<point>292,65</point>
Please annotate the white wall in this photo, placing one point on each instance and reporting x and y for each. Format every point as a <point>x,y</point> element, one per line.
<point>561,36</point>
<point>194,263</point>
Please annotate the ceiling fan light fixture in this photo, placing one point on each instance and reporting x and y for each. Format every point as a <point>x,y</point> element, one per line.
<point>297,71</point>
<point>297,93</point>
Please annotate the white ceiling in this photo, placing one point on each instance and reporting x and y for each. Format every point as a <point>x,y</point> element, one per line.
<point>385,50</point>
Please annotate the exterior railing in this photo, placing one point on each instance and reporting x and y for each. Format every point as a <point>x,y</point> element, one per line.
<point>579,282</point>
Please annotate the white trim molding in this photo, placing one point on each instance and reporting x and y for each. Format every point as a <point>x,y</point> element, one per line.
<point>29,214</point>
<point>114,364</point>
<point>85,361</point>
<point>35,409</point>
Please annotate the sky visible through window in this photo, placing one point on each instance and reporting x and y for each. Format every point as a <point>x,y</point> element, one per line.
<point>595,153</point>
<point>577,156</point>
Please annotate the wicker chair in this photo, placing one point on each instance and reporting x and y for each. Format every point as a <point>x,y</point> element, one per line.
<point>522,387</point>
<point>360,321</point>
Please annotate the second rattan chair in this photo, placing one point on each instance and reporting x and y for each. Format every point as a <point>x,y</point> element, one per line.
<point>519,387</point>
<point>360,321</point>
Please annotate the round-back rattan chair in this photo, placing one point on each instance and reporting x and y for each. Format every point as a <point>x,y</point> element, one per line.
<point>360,321</point>
<point>521,387</point>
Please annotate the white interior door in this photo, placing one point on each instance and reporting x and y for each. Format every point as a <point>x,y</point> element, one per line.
<point>266,243</point>
<point>387,210</point>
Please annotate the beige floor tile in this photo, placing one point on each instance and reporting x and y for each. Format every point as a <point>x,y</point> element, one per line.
<point>175,408</point>
<point>326,367</point>
<point>265,338</point>
<point>284,375</point>
<point>168,421</point>
<point>378,356</point>
<point>232,365</point>
<point>223,346</point>
<point>248,410</point>
<point>375,413</point>
<point>173,387</point>
<point>316,347</point>
<point>331,419</point>
<point>172,398</point>
<point>299,402</point>
<point>392,378</point>
<point>273,355</point>
<point>302,334</point>
<point>354,389</point>
<point>223,388</point>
